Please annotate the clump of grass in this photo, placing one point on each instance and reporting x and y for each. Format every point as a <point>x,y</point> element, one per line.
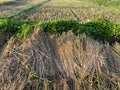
<point>20,29</point>
<point>60,26</point>
<point>100,29</point>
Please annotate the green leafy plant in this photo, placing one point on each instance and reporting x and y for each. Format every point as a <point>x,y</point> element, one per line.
<point>78,76</point>
<point>99,29</point>
<point>116,32</point>
<point>60,26</point>
<point>20,29</point>
<point>33,77</point>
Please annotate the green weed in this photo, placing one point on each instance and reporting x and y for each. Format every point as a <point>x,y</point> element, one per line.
<point>33,77</point>
<point>20,29</point>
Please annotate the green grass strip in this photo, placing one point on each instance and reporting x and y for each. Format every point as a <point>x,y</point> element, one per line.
<point>99,29</point>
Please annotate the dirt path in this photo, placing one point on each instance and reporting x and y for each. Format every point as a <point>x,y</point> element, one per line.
<point>13,7</point>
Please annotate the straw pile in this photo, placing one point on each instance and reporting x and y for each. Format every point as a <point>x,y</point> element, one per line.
<point>66,62</point>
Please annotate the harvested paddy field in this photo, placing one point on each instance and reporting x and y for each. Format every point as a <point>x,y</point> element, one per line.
<point>78,9</point>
